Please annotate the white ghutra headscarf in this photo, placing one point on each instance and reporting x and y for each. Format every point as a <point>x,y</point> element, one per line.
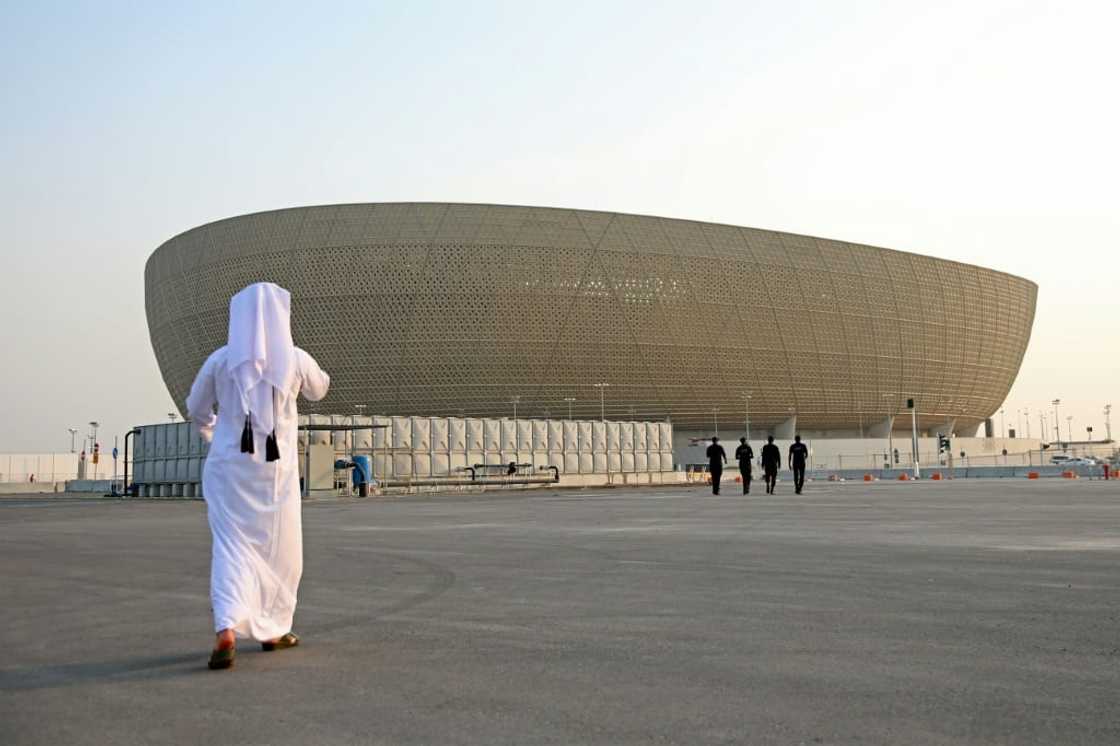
<point>260,354</point>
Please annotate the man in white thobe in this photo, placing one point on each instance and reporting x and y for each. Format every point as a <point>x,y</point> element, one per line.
<point>251,476</point>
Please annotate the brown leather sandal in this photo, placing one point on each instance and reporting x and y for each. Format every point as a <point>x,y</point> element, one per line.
<point>221,659</point>
<point>289,640</point>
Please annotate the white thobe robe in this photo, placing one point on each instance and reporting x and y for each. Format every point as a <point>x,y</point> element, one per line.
<point>253,506</point>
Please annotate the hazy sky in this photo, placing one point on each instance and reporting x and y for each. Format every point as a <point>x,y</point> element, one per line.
<point>980,131</point>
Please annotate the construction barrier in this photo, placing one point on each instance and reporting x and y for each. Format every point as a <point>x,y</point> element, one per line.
<point>1032,475</point>
<point>868,478</point>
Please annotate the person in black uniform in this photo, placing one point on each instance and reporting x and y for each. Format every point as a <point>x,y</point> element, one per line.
<point>745,455</point>
<point>771,462</point>
<point>716,459</point>
<point>798,455</point>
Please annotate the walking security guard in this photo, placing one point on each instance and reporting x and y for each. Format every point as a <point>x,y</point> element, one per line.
<point>745,455</point>
<point>798,454</point>
<point>716,459</point>
<point>771,461</point>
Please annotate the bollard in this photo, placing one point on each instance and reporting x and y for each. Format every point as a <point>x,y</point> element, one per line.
<point>1069,475</point>
<point>1032,475</point>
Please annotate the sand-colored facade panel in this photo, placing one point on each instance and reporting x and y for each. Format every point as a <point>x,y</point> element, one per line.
<point>456,309</point>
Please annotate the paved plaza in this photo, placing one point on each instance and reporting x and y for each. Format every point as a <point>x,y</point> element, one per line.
<point>985,611</point>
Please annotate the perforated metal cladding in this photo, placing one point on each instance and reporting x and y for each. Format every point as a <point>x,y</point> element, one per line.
<point>449,309</point>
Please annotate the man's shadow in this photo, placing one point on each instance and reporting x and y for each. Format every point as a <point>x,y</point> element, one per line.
<point>51,676</point>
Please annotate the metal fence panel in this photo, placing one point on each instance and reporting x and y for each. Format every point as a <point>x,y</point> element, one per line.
<point>362,439</point>
<point>457,434</point>
<point>556,435</point>
<point>599,437</point>
<point>492,435</point>
<point>421,434</point>
<point>402,432</point>
<point>439,435</point>
<point>626,436</point>
<point>476,438</point>
<point>585,438</point>
<point>540,435</point>
<point>383,436</point>
<point>524,435</point>
<point>509,435</point>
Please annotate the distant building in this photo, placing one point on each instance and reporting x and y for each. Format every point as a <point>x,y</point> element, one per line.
<point>458,309</point>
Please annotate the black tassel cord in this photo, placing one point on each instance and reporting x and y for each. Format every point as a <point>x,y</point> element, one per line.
<point>271,450</point>
<point>247,436</point>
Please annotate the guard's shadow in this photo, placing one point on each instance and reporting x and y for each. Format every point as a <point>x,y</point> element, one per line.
<point>51,676</point>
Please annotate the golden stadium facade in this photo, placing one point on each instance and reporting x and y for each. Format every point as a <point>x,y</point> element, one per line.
<point>464,309</point>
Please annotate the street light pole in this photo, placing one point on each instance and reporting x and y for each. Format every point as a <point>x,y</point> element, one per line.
<point>914,423</point>
<point>746,397</point>
<point>890,435</point>
<point>1002,423</point>
<point>73,434</point>
<point>93,444</point>
<point>715,419</point>
<point>1069,427</point>
<point>515,401</point>
<point>1057,420</point>
<point>1108,421</point>
<point>569,399</point>
<point>602,405</point>
<point>1027,412</point>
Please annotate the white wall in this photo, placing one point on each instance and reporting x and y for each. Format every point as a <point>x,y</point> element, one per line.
<point>47,467</point>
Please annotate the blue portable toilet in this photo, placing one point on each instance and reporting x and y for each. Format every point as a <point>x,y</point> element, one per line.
<point>363,473</point>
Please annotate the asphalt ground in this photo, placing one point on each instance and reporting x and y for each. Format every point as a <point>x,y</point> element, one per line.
<point>927,613</point>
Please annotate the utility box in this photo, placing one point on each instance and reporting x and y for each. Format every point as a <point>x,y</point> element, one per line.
<point>318,473</point>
